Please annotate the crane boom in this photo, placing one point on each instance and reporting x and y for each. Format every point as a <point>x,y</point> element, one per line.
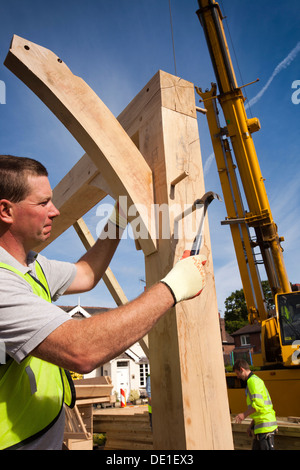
<point>238,131</point>
<point>252,229</point>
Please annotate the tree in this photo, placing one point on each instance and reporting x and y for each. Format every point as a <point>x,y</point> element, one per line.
<point>236,315</point>
<point>268,295</point>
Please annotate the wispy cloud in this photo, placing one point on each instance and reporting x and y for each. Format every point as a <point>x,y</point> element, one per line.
<point>281,66</point>
<point>208,163</point>
<point>285,208</point>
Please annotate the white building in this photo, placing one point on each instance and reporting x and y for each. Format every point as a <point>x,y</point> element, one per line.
<point>129,370</point>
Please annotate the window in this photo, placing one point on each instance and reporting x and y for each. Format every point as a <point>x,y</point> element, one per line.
<point>289,316</point>
<point>245,340</point>
<point>122,363</point>
<point>144,371</point>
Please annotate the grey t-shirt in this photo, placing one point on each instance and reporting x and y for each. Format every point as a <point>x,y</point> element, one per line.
<point>26,319</point>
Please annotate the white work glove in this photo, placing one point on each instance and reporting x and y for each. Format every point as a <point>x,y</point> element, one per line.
<point>118,217</point>
<point>187,279</point>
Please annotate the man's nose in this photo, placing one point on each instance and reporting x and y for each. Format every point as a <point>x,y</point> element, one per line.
<point>54,212</point>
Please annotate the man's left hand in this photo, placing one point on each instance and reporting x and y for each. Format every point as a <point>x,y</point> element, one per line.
<point>239,418</point>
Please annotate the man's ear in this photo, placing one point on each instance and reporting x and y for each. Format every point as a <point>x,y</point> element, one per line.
<point>6,211</point>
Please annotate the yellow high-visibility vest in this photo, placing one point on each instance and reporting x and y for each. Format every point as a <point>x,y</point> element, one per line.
<point>32,393</point>
<point>258,397</point>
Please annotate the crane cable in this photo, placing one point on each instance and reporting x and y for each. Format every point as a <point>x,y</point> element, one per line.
<point>234,52</point>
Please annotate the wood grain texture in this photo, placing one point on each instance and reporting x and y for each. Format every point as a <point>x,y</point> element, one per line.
<point>189,396</point>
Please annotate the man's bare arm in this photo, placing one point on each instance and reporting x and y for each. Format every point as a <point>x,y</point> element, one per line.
<point>241,416</point>
<point>93,264</point>
<point>83,345</point>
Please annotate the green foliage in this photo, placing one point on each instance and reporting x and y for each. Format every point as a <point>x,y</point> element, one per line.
<point>268,295</point>
<point>253,368</point>
<point>76,376</point>
<point>99,439</point>
<point>134,395</point>
<point>236,315</point>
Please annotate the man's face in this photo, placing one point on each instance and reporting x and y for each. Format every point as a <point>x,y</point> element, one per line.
<point>34,215</point>
<point>241,374</point>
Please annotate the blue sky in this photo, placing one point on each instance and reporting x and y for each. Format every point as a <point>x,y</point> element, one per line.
<point>116,47</point>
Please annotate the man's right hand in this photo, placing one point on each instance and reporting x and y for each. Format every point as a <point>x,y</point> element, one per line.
<point>187,278</point>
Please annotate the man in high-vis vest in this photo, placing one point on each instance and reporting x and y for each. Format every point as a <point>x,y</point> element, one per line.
<point>41,341</point>
<point>260,408</point>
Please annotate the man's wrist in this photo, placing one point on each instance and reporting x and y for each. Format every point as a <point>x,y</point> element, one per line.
<point>116,230</point>
<point>118,217</point>
<point>171,292</point>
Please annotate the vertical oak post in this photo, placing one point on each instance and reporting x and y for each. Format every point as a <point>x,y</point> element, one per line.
<point>189,396</point>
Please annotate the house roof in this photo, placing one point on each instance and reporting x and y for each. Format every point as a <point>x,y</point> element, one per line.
<point>228,339</point>
<point>83,310</point>
<point>247,329</point>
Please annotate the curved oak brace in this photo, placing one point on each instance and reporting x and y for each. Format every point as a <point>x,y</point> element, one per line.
<point>92,124</point>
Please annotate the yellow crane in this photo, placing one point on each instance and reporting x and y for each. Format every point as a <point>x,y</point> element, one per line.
<point>252,229</point>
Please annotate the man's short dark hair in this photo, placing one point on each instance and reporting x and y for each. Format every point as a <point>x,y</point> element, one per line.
<point>14,172</point>
<point>241,364</point>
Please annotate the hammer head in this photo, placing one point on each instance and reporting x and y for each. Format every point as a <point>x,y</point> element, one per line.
<point>207,198</point>
<point>204,201</point>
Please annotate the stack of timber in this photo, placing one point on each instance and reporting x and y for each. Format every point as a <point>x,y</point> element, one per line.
<point>129,429</point>
<point>126,428</point>
<point>78,428</point>
<point>78,434</point>
<point>94,390</point>
<point>287,437</point>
